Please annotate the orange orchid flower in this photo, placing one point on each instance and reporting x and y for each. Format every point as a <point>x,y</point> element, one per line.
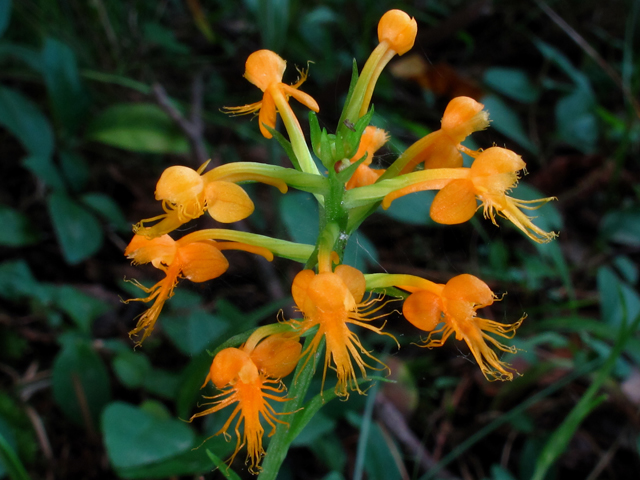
<point>198,261</point>
<point>372,140</point>
<point>333,301</point>
<point>186,194</point>
<point>246,376</point>
<point>440,149</point>
<point>493,173</point>
<point>265,69</point>
<point>455,305</point>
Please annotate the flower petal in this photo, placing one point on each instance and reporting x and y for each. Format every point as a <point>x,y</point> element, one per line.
<point>227,202</point>
<point>455,203</point>
<point>202,261</point>
<point>423,310</point>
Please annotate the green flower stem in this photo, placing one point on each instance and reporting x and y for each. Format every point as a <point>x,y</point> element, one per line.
<point>281,440</point>
<point>296,137</point>
<point>374,193</point>
<point>368,75</point>
<point>307,182</point>
<point>293,251</point>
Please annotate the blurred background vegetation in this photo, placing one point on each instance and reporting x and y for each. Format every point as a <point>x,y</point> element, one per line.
<point>98,97</point>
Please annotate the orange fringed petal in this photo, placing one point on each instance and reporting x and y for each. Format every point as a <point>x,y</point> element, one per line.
<point>264,68</point>
<point>202,261</point>
<point>423,310</point>
<point>462,117</point>
<point>277,355</point>
<point>159,251</point>
<point>470,289</point>
<point>455,203</point>
<point>399,30</point>
<point>227,202</point>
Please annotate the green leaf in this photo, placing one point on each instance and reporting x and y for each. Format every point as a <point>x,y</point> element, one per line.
<point>194,333</point>
<point>17,230</point>
<point>80,382</point>
<point>191,462</point>
<point>162,383</point>
<point>226,470</point>
<point>192,378</point>
<point>134,437</point>
<point>75,170</point>
<point>622,226</point>
<point>506,121</point>
<point>81,308</point>
<point>163,37</point>
<point>60,71</point>
<point>5,15</point>
<point>43,168</point>
<point>360,252</point>
<point>79,233</point>
<point>412,209</point>
<point>131,368</point>
<point>618,301</point>
<point>29,56</point>
<point>25,120</point>
<point>138,127</point>
<point>17,282</point>
<point>108,209</point>
<point>10,462</point>
<point>576,120</point>
<point>299,212</point>
<point>513,83</point>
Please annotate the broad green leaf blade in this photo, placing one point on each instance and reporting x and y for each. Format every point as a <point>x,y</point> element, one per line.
<point>9,459</point>
<point>81,308</point>
<point>25,120</point>
<point>5,15</point>
<point>131,368</point>
<point>513,83</point>
<point>17,230</point>
<point>137,127</point>
<point>506,121</point>
<point>80,382</point>
<point>79,233</point>
<point>135,437</point>
<point>43,168</point>
<point>194,332</point>
<point>108,209</point>
<point>300,215</point>
<point>68,97</point>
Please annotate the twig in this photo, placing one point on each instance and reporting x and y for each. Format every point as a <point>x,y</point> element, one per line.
<point>393,420</point>
<point>192,128</point>
<point>589,50</point>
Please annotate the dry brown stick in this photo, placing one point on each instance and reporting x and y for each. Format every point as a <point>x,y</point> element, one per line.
<point>393,420</point>
<point>589,50</point>
<point>192,128</point>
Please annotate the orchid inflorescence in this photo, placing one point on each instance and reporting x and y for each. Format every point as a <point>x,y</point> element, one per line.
<point>334,299</point>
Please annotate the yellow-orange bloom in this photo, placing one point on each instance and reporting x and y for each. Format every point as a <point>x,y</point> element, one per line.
<point>197,261</point>
<point>440,149</point>
<point>265,69</point>
<point>372,140</point>
<point>494,172</point>
<point>455,305</point>
<point>186,194</point>
<point>332,301</point>
<point>246,375</point>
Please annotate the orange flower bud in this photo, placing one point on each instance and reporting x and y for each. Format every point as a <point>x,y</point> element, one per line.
<point>398,30</point>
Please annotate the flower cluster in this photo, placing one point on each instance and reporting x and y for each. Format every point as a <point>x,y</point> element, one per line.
<point>335,300</point>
